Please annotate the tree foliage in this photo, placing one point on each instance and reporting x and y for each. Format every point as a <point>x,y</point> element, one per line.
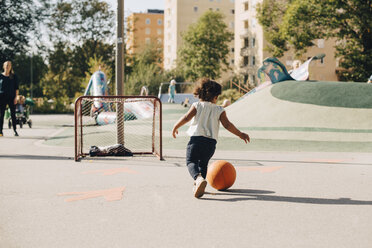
<point>205,47</point>
<point>79,31</point>
<point>297,23</point>
<point>76,21</point>
<point>22,67</point>
<point>145,71</point>
<point>17,19</point>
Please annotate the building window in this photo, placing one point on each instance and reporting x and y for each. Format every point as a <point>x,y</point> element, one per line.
<point>195,9</point>
<point>147,31</point>
<point>253,60</point>
<point>253,42</point>
<point>159,31</point>
<point>245,60</point>
<point>254,79</point>
<point>246,6</point>
<point>246,42</point>
<point>147,40</point>
<point>245,78</point>
<point>246,24</point>
<point>232,11</point>
<point>232,50</point>
<point>160,22</point>
<point>231,24</point>
<point>217,9</point>
<point>232,61</point>
<point>148,21</point>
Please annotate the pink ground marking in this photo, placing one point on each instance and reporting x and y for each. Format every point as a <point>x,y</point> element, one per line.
<point>262,169</point>
<point>114,194</point>
<point>109,172</point>
<point>326,160</point>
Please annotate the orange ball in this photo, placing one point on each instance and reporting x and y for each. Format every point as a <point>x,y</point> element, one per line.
<point>221,175</point>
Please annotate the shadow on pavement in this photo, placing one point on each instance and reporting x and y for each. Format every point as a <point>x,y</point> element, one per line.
<point>234,195</point>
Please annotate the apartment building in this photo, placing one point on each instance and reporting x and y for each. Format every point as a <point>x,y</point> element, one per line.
<point>250,46</point>
<point>143,29</point>
<point>179,14</point>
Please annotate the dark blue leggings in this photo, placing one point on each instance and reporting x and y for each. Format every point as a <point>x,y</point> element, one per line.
<point>7,100</point>
<point>199,151</point>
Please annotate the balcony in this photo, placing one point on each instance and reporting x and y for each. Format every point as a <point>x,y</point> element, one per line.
<point>245,51</point>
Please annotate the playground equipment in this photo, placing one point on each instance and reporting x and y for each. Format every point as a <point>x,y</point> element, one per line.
<point>273,71</point>
<point>103,111</point>
<point>104,124</point>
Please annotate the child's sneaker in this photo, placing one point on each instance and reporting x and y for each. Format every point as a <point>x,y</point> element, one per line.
<point>199,186</point>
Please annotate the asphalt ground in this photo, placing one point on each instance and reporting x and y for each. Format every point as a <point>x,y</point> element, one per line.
<point>284,195</point>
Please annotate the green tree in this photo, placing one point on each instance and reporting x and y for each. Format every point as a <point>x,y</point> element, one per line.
<point>79,31</point>
<point>18,19</point>
<point>297,23</point>
<point>145,71</point>
<point>22,67</point>
<point>205,47</point>
<point>76,21</point>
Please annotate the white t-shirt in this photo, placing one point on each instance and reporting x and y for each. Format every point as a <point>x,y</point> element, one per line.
<point>206,122</point>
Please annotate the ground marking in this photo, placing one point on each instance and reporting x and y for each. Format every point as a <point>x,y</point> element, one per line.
<point>262,169</point>
<point>114,194</point>
<point>109,172</point>
<point>326,160</point>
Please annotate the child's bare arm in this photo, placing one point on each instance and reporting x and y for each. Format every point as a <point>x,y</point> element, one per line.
<point>183,120</point>
<point>231,127</point>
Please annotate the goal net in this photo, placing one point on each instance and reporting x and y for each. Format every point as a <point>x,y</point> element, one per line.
<point>128,123</point>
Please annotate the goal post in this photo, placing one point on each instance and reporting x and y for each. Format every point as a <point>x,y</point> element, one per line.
<point>133,122</point>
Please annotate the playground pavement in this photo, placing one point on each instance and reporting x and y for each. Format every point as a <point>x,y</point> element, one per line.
<point>280,198</point>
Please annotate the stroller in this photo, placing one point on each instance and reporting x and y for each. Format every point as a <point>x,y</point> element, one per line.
<point>22,112</point>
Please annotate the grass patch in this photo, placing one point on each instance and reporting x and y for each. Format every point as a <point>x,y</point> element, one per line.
<point>330,94</point>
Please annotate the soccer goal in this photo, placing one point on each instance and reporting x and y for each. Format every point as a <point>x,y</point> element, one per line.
<point>130,123</point>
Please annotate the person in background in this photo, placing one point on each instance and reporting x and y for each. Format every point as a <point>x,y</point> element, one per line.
<point>172,91</point>
<point>8,95</point>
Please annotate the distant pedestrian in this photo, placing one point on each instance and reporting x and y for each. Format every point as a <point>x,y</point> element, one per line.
<point>172,91</point>
<point>8,95</point>
<point>206,117</point>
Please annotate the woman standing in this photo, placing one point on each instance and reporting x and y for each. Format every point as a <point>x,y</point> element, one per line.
<point>172,91</point>
<point>8,95</point>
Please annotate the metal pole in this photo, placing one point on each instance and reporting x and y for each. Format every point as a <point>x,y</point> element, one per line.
<point>31,75</point>
<point>120,71</point>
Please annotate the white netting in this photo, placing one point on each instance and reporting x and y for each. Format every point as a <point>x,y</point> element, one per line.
<point>134,122</point>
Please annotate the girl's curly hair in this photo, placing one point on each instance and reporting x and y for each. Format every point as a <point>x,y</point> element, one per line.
<point>207,89</point>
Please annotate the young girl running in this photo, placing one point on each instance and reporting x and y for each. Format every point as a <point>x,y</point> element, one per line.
<point>206,117</point>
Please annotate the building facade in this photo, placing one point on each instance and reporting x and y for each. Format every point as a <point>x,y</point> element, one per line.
<point>144,29</point>
<point>179,14</point>
<point>250,46</point>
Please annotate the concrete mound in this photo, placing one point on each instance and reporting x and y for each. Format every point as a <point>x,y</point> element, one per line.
<point>324,111</point>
